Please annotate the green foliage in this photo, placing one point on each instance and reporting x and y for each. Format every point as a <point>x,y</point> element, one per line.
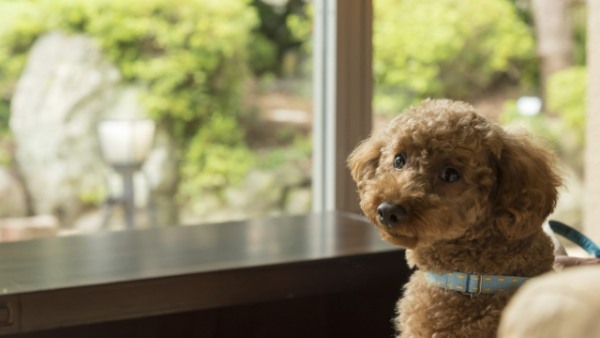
<point>6,149</point>
<point>300,149</point>
<point>300,25</point>
<point>282,29</point>
<point>189,55</point>
<point>217,156</point>
<point>564,123</point>
<point>263,55</point>
<point>444,48</point>
<point>19,29</point>
<point>579,14</point>
<point>539,124</point>
<point>567,97</point>
<point>93,196</point>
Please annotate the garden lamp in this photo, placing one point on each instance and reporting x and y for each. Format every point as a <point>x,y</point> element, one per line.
<point>529,105</point>
<point>125,144</point>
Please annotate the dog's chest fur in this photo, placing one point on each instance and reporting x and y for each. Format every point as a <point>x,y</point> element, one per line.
<point>429,311</point>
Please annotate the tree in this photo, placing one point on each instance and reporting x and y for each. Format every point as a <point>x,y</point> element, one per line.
<point>438,48</point>
<point>554,33</point>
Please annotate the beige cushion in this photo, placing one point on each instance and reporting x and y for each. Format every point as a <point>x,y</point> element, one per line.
<point>557,304</point>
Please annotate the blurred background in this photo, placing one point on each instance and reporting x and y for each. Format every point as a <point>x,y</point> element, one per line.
<point>227,88</point>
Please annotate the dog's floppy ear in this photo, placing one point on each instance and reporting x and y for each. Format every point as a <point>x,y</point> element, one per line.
<point>364,159</point>
<point>527,184</point>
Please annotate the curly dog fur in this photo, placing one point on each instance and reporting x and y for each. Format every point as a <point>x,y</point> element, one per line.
<point>473,198</point>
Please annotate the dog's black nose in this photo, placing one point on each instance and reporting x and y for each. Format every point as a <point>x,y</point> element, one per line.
<point>391,215</point>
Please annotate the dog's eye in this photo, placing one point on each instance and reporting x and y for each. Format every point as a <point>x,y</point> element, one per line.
<point>450,174</point>
<point>399,161</point>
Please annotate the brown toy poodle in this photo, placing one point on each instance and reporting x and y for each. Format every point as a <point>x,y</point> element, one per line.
<point>468,200</point>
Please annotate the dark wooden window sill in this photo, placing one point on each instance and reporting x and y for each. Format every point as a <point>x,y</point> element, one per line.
<point>202,272</point>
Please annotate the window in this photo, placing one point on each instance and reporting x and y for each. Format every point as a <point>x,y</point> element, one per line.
<point>524,66</point>
<point>228,87</point>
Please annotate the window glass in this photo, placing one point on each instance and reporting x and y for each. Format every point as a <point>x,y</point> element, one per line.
<point>221,90</point>
<point>512,66</point>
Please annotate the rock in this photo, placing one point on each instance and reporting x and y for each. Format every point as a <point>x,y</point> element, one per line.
<point>58,100</point>
<point>12,195</point>
<point>23,228</point>
<point>298,201</point>
<point>263,193</point>
<point>236,197</point>
<point>260,193</point>
<point>197,210</point>
<point>86,223</point>
<point>67,87</point>
<point>291,174</point>
<point>92,220</point>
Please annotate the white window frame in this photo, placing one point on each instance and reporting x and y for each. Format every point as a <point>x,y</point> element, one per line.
<point>343,85</point>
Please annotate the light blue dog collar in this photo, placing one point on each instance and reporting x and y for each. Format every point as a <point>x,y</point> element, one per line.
<point>474,283</point>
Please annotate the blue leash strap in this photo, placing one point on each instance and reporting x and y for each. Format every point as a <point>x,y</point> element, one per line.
<point>575,237</point>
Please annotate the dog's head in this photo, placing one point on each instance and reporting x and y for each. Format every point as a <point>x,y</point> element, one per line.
<point>440,171</point>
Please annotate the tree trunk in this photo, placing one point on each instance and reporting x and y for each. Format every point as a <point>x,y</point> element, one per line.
<point>592,153</point>
<point>554,37</point>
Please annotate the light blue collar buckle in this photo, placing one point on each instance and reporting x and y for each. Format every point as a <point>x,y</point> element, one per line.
<point>474,283</point>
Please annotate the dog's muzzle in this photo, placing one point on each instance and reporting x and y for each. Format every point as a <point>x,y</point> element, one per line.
<point>391,215</point>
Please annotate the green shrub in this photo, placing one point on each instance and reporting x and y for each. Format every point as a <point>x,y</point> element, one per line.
<point>578,14</point>
<point>284,28</point>
<point>541,125</point>
<point>263,55</point>
<point>298,151</point>
<point>189,55</point>
<point>567,96</point>
<point>563,124</point>
<point>444,48</point>
<point>217,156</point>
<point>6,150</point>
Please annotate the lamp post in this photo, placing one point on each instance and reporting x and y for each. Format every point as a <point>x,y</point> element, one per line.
<point>529,105</point>
<point>125,144</point>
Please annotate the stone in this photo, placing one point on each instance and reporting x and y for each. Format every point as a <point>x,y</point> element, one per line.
<point>291,174</point>
<point>264,192</point>
<point>24,228</point>
<point>13,199</point>
<point>87,223</point>
<point>298,201</point>
<point>66,85</point>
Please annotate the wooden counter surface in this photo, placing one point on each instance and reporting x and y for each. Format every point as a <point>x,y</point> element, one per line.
<point>81,280</point>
